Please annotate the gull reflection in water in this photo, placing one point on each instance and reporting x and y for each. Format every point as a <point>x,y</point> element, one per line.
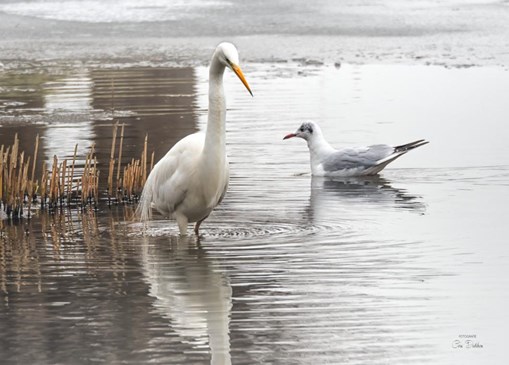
<point>355,194</point>
<point>192,292</point>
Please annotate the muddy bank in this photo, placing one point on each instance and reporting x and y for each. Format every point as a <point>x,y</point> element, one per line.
<point>120,33</point>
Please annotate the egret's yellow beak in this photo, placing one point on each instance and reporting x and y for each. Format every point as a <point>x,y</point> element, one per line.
<point>239,73</point>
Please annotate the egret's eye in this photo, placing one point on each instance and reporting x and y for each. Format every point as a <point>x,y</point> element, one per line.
<point>301,129</point>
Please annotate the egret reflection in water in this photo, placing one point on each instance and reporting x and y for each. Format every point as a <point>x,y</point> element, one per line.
<point>191,291</point>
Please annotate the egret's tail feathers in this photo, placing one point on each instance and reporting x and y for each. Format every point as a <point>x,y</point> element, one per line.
<point>143,210</point>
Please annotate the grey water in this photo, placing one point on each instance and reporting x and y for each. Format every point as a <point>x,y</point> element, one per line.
<point>291,269</point>
<point>409,267</point>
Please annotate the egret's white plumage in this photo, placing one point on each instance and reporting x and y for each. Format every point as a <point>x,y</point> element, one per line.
<point>354,161</point>
<point>192,178</point>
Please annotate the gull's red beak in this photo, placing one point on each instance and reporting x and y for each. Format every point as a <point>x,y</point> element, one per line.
<point>291,135</point>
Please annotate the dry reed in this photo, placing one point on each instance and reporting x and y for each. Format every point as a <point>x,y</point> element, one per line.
<point>61,184</point>
<point>131,179</point>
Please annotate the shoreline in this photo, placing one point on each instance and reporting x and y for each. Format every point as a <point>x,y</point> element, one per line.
<point>449,36</point>
<point>178,53</point>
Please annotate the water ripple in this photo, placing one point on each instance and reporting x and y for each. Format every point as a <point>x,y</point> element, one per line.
<point>234,229</point>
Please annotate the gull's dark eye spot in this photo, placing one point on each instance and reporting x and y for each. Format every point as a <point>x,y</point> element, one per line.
<point>306,127</point>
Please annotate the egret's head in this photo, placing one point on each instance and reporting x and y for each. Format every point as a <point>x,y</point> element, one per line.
<point>307,130</point>
<point>229,57</point>
<point>227,54</point>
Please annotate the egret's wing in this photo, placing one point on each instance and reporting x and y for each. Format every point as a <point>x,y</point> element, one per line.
<point>227,179</point>
<point>166,185</point>
<point>354,158</point>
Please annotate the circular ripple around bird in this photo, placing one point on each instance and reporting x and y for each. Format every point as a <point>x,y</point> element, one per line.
<point>244,230</point>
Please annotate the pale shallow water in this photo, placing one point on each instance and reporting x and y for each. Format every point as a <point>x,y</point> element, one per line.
<point>290,269</point>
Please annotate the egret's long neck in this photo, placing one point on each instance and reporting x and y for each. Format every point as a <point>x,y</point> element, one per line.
<point>215,136</point>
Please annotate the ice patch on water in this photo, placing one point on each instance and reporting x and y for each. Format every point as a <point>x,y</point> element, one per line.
<point>112,11</point>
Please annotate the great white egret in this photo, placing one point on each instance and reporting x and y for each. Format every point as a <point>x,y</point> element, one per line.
<point>192,178</point>
<point>357,161</point>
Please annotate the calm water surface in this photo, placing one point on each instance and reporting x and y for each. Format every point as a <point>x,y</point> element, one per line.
<point>290,269</point>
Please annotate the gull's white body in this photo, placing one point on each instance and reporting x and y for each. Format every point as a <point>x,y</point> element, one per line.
<point>354,161</point>
<point>192,178</point>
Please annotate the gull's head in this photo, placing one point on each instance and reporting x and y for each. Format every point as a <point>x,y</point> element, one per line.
<point>307,131</point>
<point>228,55</point>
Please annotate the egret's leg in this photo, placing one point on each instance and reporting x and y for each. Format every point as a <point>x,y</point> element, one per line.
<point>182,223</point>
<point>197,226</point>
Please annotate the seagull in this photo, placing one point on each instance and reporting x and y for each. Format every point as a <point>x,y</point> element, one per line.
<point>192,178</point>
<point>354,161</point>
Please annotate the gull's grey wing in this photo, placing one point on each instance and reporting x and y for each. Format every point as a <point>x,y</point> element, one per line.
<point>349,158</point>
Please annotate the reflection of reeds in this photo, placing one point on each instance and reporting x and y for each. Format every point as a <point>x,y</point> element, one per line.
<point>72,236</point>
<point>60,185</point>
